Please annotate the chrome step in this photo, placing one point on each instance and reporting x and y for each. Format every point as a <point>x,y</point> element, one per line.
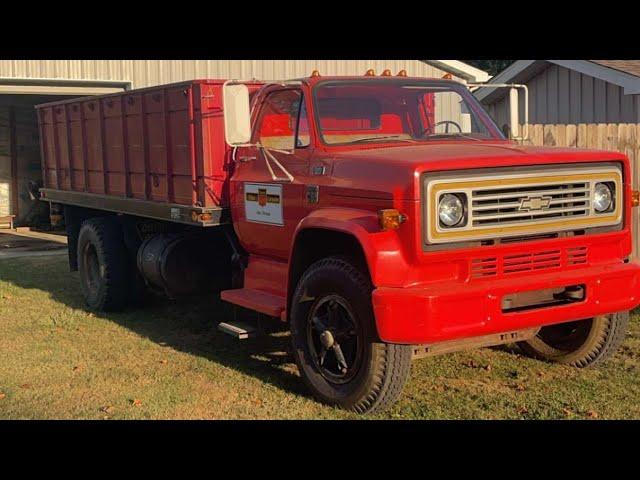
<point>238,329</point>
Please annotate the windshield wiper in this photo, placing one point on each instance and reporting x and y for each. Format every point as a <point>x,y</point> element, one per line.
<point>388,137</point>
<point>453,135</point>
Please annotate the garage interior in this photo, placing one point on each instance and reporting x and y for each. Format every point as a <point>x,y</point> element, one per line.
<point>20,170</point>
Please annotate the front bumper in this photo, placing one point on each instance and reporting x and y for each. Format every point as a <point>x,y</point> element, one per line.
<point>453,310</point>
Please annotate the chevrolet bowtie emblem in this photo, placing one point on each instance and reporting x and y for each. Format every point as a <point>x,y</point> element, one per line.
<point>534,203</point>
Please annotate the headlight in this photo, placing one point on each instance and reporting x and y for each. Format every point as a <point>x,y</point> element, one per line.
<point>602,197</point>
<point>450,210</point>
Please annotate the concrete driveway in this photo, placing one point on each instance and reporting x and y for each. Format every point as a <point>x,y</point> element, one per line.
<point>26,243</point>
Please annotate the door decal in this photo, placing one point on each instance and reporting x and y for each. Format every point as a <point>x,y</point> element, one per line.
<point>263,203</point>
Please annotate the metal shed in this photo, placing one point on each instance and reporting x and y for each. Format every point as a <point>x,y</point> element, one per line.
<point>578,103</point>
<point>25,83</point>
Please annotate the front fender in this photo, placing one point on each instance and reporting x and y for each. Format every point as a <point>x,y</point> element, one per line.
<point>382,249</point>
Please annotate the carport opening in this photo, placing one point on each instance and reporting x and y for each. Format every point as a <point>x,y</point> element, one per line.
<point>20,168</point>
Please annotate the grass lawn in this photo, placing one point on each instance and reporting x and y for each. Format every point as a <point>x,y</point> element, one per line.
<point>57,360</point>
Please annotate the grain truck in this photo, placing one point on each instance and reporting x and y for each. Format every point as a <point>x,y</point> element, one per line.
<point>382,217</point>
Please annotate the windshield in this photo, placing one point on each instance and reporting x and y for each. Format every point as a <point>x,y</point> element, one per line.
<point>411,111</point>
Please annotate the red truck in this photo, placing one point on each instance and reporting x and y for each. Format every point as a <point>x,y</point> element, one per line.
<point>383,218</point>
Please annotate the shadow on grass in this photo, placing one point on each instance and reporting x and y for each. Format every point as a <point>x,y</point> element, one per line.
<point>187,325</point>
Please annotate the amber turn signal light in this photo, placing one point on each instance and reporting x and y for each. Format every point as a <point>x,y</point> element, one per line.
<point>635,198</point>
<point>390,219</point>
<point>200,217</point>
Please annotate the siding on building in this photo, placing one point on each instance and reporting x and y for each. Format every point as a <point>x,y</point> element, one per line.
<point>144,73</point>
<point>558,95</point>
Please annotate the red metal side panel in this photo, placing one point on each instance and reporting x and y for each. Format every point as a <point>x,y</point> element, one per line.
<point>214,149</point>
<point>135,146</point>
<point>163,144</point>
<point>49,176</point>
<point>113,148</point>
<point>93,147</point>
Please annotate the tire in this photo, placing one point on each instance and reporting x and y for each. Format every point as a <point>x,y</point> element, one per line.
<point>376,371</point>
<point>579,344</point>
<point>102,264</point>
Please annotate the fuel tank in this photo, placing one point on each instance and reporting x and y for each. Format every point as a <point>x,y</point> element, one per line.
<point>182,264</point>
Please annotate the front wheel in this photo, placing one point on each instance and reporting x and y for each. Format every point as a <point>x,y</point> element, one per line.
<point>335,344</point>
<point>580,344</point>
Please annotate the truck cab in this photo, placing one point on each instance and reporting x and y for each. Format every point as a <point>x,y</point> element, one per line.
<point>406,189</point>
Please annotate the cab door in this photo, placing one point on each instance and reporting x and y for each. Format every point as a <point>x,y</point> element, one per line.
<point>268,184</point>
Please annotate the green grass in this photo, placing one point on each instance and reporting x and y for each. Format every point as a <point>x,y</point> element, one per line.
<point>57,360</point>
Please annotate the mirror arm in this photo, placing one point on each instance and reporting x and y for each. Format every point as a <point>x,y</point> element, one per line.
<point>268,155</point>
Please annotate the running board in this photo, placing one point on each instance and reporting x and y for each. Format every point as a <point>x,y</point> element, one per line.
<point>256,300</point>
<point>239,330</point>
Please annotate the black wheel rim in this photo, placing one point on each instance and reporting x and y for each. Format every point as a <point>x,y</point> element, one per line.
<point>334,338</point>
<point>91,268</point>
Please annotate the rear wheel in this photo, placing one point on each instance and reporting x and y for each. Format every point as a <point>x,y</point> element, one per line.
<point>102,264</point>
<point>335,344</point>
<point>580,344</point>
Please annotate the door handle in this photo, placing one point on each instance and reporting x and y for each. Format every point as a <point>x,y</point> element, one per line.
<point>247,158</point>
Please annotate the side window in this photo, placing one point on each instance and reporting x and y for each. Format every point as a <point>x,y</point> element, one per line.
<point>278,122</point>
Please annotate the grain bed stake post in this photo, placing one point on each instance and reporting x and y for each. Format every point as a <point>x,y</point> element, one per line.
<point>380,217</point>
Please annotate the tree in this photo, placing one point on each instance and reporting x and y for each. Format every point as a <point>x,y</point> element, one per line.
<point>493,67</point>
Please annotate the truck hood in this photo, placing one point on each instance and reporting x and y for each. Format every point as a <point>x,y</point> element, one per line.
<point>381,172</point>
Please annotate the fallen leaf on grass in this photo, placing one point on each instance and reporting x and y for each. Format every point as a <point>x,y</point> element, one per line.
<point>487,368</point>
<point>164,361</point>
<point>567,412</point>
<point>107,409</point>
<point>136,402</point>
<point>77,368</point>
<point>2,395</point>
<point>592,414</point>
<point>470,364</point>
<point>523,410</point>
<point>25,385</point>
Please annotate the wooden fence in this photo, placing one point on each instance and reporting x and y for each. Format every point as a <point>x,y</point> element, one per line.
<point>621,137</point>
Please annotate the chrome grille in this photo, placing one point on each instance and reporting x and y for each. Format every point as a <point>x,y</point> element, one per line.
<point>497,206</point>
<point>527,202</point>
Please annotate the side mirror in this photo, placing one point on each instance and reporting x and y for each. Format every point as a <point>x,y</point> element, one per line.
<point>514,116</point>
<point>237,114</point>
